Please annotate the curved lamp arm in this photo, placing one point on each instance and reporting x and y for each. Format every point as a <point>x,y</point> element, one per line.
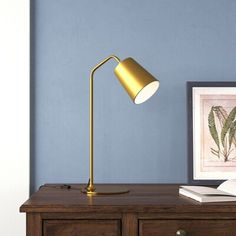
<point>140,86</point>
<point>90,187</point>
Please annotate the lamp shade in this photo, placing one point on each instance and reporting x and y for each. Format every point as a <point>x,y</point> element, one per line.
<point>139,83</point>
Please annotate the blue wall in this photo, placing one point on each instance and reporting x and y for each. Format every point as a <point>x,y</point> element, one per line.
<point>177,41</point>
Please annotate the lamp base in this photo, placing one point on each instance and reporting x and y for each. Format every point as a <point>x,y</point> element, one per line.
<point>106,190</point>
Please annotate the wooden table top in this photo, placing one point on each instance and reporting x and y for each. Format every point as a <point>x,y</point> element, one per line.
<point>141,198</point>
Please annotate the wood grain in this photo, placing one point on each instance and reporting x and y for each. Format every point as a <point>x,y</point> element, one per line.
<point>147,210</point>
<point>129,224</point>
<point>81,227</point>
<point>34,224</point>
<point>191,227</point>
<point>146,198</point>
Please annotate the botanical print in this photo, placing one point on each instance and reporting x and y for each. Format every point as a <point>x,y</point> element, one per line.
<point>212,131</point>
<point>225,136</point>
<point>218,133</point>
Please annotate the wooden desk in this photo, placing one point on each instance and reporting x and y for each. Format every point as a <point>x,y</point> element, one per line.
<point>147,210</point>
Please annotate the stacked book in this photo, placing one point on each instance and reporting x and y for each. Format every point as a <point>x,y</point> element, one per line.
<point>224,193</point>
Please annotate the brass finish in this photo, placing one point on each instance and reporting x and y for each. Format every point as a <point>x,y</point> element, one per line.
<point>181,232</point>
<point>90,187</point>
<point>105,190</point>
<point>134,78</point>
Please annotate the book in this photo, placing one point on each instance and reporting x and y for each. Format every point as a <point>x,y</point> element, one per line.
<point>224,193</point>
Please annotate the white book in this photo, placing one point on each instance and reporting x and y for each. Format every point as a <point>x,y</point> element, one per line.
<point>224,193</point>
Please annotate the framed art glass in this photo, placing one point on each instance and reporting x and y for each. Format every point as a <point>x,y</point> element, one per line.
<point>211,131</point>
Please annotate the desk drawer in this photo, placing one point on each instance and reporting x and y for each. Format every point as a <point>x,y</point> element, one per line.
<point>190,227</point>
<point>81,228</point>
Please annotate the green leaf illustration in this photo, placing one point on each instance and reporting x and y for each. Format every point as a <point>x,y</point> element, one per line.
<point>221,114</point>
<point>227,124</point>
<point>212,128</point>
<point>232,130</point>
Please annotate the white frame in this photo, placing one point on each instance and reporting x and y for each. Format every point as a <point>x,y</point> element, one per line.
<point>197,173</point>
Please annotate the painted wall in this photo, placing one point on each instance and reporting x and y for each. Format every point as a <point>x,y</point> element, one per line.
<point>177,41</point>
<point>14,115</point>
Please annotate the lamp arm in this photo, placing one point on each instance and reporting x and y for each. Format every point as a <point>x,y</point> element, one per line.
<point>90,187</point>
<point>103,62</point>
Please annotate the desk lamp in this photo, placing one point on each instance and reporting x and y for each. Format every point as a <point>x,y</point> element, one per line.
<point>140,85</point>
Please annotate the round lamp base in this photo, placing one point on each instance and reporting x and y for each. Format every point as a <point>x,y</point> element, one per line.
<point>106,190</point>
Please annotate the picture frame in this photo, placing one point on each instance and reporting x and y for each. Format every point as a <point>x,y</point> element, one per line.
<point>211,111</point>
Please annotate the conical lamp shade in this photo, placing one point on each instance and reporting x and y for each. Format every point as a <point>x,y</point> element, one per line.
<point>139,83</point>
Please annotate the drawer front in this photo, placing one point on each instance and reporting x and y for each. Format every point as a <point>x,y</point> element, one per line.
<point>187,227</point>
<point>81,228</point>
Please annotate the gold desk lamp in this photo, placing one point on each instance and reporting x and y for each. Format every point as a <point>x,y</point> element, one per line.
<point>140,85</point>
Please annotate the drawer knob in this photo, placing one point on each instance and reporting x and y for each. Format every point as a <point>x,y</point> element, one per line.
<point>180,232</point>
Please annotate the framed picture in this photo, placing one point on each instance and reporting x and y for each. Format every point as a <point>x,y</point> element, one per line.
<point>211,132</point>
